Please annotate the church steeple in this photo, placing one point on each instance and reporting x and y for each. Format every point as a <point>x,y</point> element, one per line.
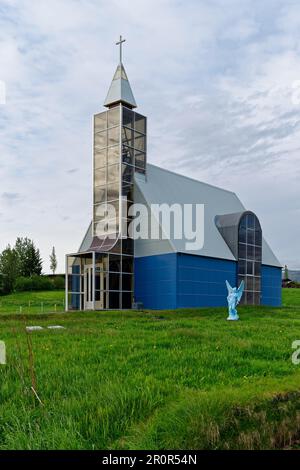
<point>120,89</point>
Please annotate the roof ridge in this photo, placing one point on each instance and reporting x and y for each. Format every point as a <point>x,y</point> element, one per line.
<point>191,179</point>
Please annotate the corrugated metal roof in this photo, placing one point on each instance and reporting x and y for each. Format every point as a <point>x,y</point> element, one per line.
<point>163,186</point>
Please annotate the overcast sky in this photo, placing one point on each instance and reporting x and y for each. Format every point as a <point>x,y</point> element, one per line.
<point>218,81</point>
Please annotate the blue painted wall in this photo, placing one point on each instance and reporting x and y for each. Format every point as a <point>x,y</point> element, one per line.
<point>178,280</point>
<point>155,281</point>
<point>271,286</point>
<point>201,281</point>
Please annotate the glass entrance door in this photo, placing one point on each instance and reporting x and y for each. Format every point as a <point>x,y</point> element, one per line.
<point>88,288</point>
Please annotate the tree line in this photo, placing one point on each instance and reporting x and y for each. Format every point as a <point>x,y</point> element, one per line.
<point>22,261</point>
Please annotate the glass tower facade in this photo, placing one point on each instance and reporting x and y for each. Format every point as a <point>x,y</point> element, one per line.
<point>103,277</point>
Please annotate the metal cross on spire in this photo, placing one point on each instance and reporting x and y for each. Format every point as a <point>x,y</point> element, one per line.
<point>120,43</point>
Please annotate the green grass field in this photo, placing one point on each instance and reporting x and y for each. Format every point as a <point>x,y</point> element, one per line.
<point>149,380</point>
<point>33,302</point>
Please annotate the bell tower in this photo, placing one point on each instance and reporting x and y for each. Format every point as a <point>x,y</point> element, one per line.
<point>119,152</point>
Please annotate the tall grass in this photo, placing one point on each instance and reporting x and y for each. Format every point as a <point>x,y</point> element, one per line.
<point>186,379</point>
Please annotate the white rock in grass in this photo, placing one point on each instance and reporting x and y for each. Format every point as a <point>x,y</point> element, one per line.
<point>56,327</point>
<point>34,328</point>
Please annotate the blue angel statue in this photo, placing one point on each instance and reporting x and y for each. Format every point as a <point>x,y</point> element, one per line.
<point>233,299</point>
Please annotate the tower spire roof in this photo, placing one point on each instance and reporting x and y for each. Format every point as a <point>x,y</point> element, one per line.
<point>120,89</point>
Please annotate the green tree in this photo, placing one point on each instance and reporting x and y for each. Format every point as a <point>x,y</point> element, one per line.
<point>29,258</point>
<point>8,269</point>
<point>53,261</point>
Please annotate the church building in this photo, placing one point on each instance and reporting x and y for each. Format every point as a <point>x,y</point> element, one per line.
<point>114,270</point>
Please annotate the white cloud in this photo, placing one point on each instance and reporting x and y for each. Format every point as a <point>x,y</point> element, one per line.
<point>215,82</point>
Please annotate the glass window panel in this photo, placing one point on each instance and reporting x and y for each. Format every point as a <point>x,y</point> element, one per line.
<point>112,191</point>
<point>256,286</point>
<point>250,237</point>
<point>70,282</point>
<point>101,139</point>
<point>105,300</point>
<point>258,237</point>
<point>250,232</point>
<point>114,117</point>
<point>74,282</point>
<point>257,269</point>
<point>249,283</point>
<point>127,173</point>
<point>242,235</point>
<point>140,160</point>
<point>104,227</point>
<point>128,117</point>
<point>74,301</point>
<point>100,177</point>
<point>100,228</point>
<point>100,122</point>
<point>116,248</point>
<point>112,173</point>
<point>250,268</point>
<point>242,250</point>
<point>250,298</point>
<point>250,221</point>
<point>115,263</point>
<point>127,246</point>
<point>139,142</point>
<point>113,209</point>
<point>98,294</point>
<point>114,281</point>
<point>101,262</point>
<point>258,253</point>
<point>140,123</point>
<point>127,264</point>
<point>114,300</point>
<point>242,267</point>
<point>113,136</point>
<point>127,190</point>
<point>100,194</point>
<point>100,211</point>
<point>100,158</point>
<point>126,204</point>
<point>250,252</point>
<point>127,155</point>
<point>74,265</point>
<point>126,300</point>
<point>127,282</point>
<point>113,155</point>
<point>112,227</point>
<point>101,280</point>
<point>243,223</point>
<point>125,227</point>
<point>127,136</point>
